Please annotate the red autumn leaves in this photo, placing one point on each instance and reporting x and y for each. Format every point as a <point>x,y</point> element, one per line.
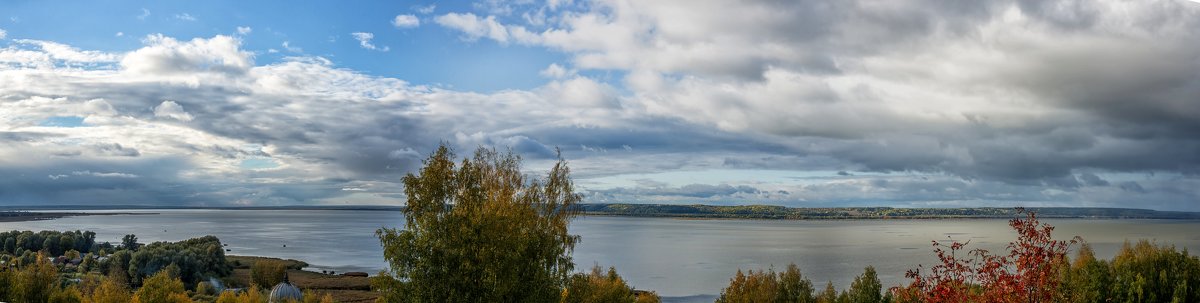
<point>1028,273</point>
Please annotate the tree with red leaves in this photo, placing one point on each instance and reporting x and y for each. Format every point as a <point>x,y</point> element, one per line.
<point>1028,273</point>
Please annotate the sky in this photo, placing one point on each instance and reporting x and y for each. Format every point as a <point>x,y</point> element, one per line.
<point>902,103</point>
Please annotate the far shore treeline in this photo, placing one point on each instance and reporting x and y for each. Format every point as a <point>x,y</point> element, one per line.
<point>25,213</point>
<point>810,213</point>
<point>479,230</point>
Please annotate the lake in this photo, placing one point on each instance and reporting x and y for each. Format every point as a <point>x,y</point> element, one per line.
<point>689,260</point>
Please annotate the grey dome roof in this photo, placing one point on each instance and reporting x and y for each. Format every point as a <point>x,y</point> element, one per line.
<point>285,291</point>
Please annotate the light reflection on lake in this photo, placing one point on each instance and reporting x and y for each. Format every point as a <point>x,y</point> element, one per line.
<point>674,257</point>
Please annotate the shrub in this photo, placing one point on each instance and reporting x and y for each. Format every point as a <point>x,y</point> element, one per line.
<point>767,286</point>
<point>601,286</point>
<point>110,291</point>
<point>1030,271</point>
<point>267,273</point>
<point>68,294</point>
<point>162,287</point>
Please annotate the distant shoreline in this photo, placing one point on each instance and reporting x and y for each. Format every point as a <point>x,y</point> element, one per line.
<point>23,216</point>
<point>168,207</point>
<point>731,218</point>
<point>689,212</point>
<point>772,212</point>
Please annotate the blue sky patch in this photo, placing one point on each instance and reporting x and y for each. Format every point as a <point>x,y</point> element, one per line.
<point>63,121</point>
<point>258,163</point>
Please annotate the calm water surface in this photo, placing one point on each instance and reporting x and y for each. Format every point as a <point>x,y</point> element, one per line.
<point>675,257</point>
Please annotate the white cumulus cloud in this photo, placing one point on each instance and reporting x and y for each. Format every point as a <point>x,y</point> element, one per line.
<point>364,40</point>
<point>475,27</point>
<point>165,56</point>
<point>287,45</point>
<point>170,109</point>
<point>185,17</point>
<point>556,71</point>
<point>67,53</point>
<point>406,21</point>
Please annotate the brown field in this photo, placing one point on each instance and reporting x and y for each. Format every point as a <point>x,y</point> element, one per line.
<point>343,289</point>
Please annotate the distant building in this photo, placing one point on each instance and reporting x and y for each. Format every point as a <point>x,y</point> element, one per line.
<point>285,291</point>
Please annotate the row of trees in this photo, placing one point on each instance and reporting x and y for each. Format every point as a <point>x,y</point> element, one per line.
<point>197,259</point>
<point>41,273</point>
<point>40,282</point>
<point>790,286</point>
<point>56,243</point>
<point>1141,272</point>
<point>1035,268</point>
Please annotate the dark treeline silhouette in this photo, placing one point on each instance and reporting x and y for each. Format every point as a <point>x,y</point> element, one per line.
<point>57,243</point>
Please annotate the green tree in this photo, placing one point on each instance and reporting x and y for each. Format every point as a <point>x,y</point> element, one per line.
<point>829,295</point>
<point>267,273</point>
<point>50,246</point>
<point>68,294</point>
<point>480,231</point>
<point>751,287</point>
<point>7,279</point>
<point>118,264</point>
<point>866,288</point>
<point>1146,272</point>
<point>205,288</point>
<point>87,264</point>
<point>162,287</point>
<point>788,286</point>
<point>129,242</point>
<point>793,287</point>
<point>1087,279</point>
<point>71,254</point>
<point>36,282</point>
<point>196,259</point>
<point>110,291</point>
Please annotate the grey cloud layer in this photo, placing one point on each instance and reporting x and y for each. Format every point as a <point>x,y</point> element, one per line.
<point>1024,92</point>
<point>959,102</point>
